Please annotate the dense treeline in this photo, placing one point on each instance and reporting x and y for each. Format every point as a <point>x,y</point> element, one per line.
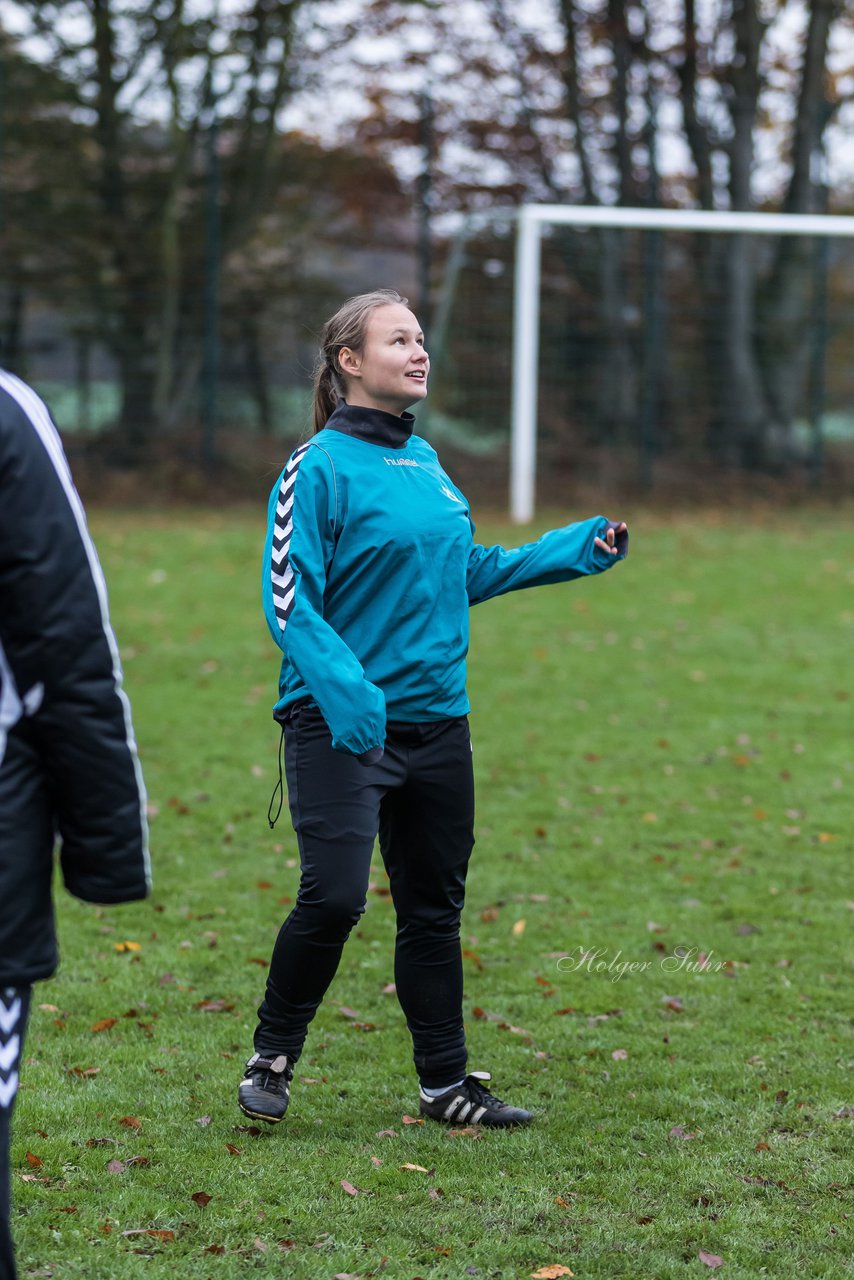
<point>148,181</point>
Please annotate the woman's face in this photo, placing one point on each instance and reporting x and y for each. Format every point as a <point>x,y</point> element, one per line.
<point>390,372</point>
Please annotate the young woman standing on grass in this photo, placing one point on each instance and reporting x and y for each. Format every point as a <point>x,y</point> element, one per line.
<point>369,570</point>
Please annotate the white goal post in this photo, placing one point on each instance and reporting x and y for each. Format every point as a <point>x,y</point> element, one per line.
<point>531,219</point>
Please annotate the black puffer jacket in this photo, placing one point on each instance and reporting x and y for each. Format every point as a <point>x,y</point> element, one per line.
<point>68,763</point>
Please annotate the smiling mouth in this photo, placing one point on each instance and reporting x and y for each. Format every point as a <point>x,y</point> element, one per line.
<point>418,374</point>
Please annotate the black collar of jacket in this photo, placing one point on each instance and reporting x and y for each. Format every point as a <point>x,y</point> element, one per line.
<point>373,425</point>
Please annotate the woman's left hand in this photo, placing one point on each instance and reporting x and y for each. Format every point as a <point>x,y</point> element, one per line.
<point>616,540</point>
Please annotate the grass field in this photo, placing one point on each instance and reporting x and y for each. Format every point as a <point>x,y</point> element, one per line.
<point>663,759</point>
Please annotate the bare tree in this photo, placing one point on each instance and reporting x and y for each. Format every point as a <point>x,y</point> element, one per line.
<point>145,74</point>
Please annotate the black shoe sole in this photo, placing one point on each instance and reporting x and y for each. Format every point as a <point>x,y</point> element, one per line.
<point>256,1115</point>
<point>460,1124</point>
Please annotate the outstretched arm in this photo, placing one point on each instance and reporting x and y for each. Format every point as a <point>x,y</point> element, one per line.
<point>588,547</point>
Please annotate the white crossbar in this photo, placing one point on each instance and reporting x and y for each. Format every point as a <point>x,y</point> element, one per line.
<point>531,218</point>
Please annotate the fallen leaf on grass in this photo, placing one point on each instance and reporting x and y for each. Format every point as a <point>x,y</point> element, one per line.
<point>33,1161</point>
<point>232,1149</point>
<point>347,1012</point>
<point>435,1193</point>
<point>376,1162</point>
<point>516,1031</point>
<point>127,946</point>
<point>150,1231</point>
<point>69,1208</point>
<point>119,1166</point>
<point>214,1006</point>
<point>710,1259</point>
<point>49,1008</point>
<point>765,1182</point>
<point>469,1131</point>
<point>412,1119</point>
<point>201,1198</point>
<point>102,1142</point>
<point>104,1024</point>
<point>350,1188</point>
<point>203,1121</point>
<point>214,1248</point>
<point>619,1055</point>
<point>468,954</point>
<point>130,1122</point>
<point>386,1133</point>
<point>678,1132</point>
<point>551,1272</point>
<point>260,1245</point>
<point>519,928</point>
<point>418,1168</point>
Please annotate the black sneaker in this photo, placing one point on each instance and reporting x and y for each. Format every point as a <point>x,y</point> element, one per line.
<point>470,1103</point>
<point>265,1090</point>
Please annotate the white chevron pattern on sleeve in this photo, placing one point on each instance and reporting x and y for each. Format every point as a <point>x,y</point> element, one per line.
<point>281,573</point>
<point>10,1044</point>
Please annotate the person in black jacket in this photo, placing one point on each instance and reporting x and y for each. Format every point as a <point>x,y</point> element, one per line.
<point>69,771</point>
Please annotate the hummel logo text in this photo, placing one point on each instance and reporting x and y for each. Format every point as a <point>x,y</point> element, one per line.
<point>401,462</point>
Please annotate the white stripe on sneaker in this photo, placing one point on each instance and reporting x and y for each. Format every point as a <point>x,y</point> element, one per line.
<point>452,1107</point>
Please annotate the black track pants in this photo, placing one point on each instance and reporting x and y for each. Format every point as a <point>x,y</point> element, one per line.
<point>14,1006</point>
<point>420,798</point>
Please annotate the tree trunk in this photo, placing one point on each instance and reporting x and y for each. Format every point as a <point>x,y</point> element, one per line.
<point>256,373</point>
<point>786,301</point>
<point>135,358</point>
<point>11,338</point>
<point>132,287</point>
<point>728,267</point>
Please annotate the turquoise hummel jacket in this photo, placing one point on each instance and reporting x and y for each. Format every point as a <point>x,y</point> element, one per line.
<point>370,566</point>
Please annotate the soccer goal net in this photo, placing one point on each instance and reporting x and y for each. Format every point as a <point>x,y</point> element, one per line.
<point>711,337</point>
